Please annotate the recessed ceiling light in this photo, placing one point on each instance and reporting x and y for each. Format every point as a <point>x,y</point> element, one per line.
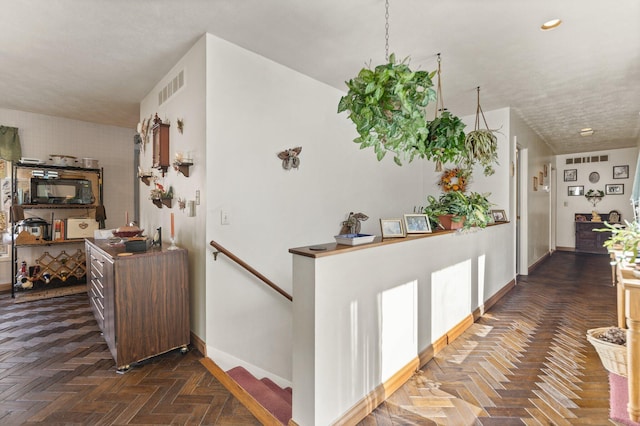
<point>587,131</point>
<point>549,25</point>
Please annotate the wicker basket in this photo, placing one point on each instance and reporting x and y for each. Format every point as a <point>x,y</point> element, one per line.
<point>613,357</point>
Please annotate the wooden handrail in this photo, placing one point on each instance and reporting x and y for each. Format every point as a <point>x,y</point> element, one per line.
<point>246,266</point>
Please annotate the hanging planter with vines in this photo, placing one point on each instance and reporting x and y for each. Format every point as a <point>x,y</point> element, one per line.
<point>481,145</point>
<point>445,143</point>
<point>387,106</point>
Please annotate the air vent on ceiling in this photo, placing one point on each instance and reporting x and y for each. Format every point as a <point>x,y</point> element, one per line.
<point>592,159</point>
<point>174,85</point>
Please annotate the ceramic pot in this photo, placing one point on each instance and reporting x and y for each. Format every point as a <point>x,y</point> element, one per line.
<point>448,223</point>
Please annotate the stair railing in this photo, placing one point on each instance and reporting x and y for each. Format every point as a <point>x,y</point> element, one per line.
<point>246,266</point>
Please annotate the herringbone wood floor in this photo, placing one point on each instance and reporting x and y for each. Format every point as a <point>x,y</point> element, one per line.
<point>56,369</point>
<point>525,362</point>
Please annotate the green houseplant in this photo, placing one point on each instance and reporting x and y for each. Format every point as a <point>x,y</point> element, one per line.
<point>625,238</point>
<point>386,104</point>
<point>481,145</point>
<point>446,140</point>
<point>467,210</point>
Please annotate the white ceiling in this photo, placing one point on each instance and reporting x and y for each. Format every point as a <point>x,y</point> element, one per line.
<point>94,60</point>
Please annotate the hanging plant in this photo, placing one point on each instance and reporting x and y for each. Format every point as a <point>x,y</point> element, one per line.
<point>446,140</point>
<point>446,132</point>
<point>387,106</point>
<point>481,145</point>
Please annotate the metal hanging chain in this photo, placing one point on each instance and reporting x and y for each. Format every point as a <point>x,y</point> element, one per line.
<point>386,30</point>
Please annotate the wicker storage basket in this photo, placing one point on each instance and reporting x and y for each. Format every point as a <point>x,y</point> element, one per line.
<point>613,357</point>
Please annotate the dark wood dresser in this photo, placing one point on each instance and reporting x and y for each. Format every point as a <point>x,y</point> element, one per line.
<point>588,240</point>
<point>140,300</point>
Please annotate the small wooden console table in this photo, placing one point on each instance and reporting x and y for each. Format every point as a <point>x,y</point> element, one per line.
<point>629,303</point>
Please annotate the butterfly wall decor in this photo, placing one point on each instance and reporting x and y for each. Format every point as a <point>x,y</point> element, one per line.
<point>290,158</point>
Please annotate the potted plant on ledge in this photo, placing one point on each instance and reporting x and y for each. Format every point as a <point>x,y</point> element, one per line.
<point>455,210</point>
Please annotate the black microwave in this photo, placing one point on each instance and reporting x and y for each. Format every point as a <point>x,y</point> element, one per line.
<point>61,191</point>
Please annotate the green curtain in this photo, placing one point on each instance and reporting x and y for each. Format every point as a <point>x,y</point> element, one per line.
<point>10,149</point>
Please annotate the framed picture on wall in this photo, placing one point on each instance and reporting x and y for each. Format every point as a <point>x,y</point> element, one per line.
<point>576,190</point>
<point>535,183</point>
<point>621,172</point>
<point>614,189</point>
<point>571,175</point>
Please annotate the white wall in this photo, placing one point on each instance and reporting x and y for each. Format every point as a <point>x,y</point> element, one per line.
<point>535,218</point>
<point>255,109</point>
<point>187,104</point>
<point>568,206</point>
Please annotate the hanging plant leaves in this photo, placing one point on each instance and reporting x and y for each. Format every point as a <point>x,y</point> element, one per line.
<point>481,145</point>
<point>446,139</point>
<point>387,105</point>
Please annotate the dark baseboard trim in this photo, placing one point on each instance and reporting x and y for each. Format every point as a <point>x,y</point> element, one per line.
<point>198,344</point>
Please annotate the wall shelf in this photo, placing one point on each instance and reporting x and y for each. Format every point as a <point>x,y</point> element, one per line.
<point>182,167</point>
<point>162,201</point>
<point>146,179</point>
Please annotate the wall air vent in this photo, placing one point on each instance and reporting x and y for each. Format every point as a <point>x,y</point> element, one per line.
<point>592,159</point>
<point>174,85</point>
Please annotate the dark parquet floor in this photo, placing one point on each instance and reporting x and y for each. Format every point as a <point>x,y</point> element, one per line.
<point>526,362</point>
<point>56,369</point>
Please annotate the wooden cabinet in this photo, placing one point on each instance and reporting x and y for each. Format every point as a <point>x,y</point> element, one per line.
<point>140,300</point>
<point>588,240</point>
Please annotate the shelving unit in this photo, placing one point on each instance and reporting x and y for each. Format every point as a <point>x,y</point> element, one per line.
<point>55,267</point>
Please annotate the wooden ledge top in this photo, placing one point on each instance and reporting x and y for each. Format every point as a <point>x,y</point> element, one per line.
<point>331,249</point>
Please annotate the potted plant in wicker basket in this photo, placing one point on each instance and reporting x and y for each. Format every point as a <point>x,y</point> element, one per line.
<point>610,343</point>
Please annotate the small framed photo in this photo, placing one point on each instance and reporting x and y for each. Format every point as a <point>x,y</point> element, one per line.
<point>571,175</point>
<point>621,172</point>
<point>499,216</point>
<point>392,228</point>
<point>614,189</point>
<point>576,190</point>
<point>545,170</point>
<point>541,177</point>
<point>535,183</point>
<point>417,224</point>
